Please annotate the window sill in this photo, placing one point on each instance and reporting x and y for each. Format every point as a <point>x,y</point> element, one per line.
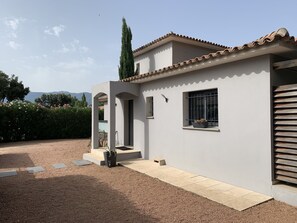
<point>213,129</point>
<point>150,117</point>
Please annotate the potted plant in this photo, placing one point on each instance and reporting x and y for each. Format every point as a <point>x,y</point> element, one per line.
<point>110,157</point>
<point>200,123</point>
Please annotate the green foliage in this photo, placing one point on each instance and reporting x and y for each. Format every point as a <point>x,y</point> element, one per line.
<point>27,121</point>
<point>56,100</point>
<point>83,103</point>
<point>4,83</point>
<point>11,88</point>
<point>126,68</point>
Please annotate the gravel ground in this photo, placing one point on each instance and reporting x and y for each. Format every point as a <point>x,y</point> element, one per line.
<point>99,194</point>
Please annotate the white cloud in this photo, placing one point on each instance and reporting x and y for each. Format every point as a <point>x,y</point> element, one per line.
<point>73,46</point>
<point>12,23</point>
<point>14,45</point>
<point>55,31</point>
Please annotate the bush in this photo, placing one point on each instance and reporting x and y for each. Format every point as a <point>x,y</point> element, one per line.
<point>26,121</point>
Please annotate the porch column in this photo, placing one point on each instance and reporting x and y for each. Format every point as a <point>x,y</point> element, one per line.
<point>95,119</point>
<point>111,121</point>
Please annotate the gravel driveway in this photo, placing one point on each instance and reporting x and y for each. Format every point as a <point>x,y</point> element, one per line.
<point>99,194</point>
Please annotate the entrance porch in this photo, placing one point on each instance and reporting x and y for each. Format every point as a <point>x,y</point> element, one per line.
<point>119,102</point>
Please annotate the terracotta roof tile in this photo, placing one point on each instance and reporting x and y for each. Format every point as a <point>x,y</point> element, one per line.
<point>280,34</point>
<point>175,35</point>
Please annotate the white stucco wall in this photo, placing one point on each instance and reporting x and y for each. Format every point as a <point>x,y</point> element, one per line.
<point>182,52</point>
<point>155,59</point>
<point>240,153</point>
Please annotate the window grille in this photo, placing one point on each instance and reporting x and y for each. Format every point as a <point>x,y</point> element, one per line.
<point>204,105</point>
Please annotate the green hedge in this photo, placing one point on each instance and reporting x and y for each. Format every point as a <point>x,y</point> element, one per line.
<point>27,121</point>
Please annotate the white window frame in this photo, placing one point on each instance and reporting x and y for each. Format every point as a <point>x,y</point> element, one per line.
<point>149,107</point>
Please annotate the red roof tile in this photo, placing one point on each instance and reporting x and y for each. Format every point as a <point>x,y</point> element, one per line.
<point>280,34</point>
<point>172,34</point>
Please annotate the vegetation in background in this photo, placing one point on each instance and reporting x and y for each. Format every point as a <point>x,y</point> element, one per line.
<point>60,100</point>
<point>126,68</point>
<point>28,121</point>
<point>11,88</point>
<point>82,103</point>
<point>53,116</point>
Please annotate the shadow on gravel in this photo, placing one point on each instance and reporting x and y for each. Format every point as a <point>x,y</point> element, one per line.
<point>15,160</point>
<point>75,198</point>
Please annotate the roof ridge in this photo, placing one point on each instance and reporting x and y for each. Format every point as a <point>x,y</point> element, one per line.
<point>171,33</point>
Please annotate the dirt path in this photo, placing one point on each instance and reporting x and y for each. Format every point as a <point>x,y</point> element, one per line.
<point>98,194</point>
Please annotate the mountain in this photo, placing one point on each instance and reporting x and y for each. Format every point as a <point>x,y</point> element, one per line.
<point>33,95</point>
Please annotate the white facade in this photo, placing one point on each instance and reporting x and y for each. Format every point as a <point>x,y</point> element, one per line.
<point>167,55</point>
<point>239,150</point>
<point>242,140</point>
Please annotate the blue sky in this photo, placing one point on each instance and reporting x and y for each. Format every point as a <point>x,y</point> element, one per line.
<point>72,45</point>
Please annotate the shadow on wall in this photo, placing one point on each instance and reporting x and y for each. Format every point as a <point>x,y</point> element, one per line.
<point>73,198</point>
<point>225,72</point>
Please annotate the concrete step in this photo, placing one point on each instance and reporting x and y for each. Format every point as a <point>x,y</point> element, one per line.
<point>96,156</point>
<point>128,154</point>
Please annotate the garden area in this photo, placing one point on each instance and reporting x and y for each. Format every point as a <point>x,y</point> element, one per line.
<point>99,194</point>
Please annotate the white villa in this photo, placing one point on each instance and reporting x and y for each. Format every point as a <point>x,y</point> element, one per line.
<point>248,95</point>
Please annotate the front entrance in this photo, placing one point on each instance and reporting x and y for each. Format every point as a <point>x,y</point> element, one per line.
<point>285,133</point>
<point>130,123</point>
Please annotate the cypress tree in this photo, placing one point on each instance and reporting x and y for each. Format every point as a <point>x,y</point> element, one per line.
<point>126,68</point>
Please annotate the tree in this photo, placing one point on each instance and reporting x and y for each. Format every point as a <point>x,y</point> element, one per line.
<point>83,103</point>
<point>4,83</point>
<point>11,88</point>
<point>126,68</point>
<point>84,100</point>
<point>56,100</point>
<point>15,89</point>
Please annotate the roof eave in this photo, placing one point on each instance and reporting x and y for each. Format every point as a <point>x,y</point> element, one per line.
<point>274,48</point>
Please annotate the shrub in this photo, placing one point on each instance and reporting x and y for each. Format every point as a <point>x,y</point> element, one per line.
<point>28,121</point>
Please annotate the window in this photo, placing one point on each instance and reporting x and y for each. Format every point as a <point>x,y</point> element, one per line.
<point>149,107</point>
<point>203,105</point>
<point>137,70</point>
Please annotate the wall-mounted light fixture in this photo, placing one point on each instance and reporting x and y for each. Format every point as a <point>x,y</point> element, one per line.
<point>166,99</point>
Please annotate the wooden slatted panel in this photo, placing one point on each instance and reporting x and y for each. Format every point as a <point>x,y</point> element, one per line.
<point>285,94</point>
<point>286,173</point>
<point>283,150</point>
<point>285,133</point>
<point>285,128</point>
<point>291,87</point>
<point>286,179</point>
<point>287,105</point>
<point>287,168</point>
<point>285,156</point>
<point>288,117</point>
<point>285,100</point>
<point>286,139</point>
<point>286,122</point>
<point>286,145</point>
<point>285,111</point>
